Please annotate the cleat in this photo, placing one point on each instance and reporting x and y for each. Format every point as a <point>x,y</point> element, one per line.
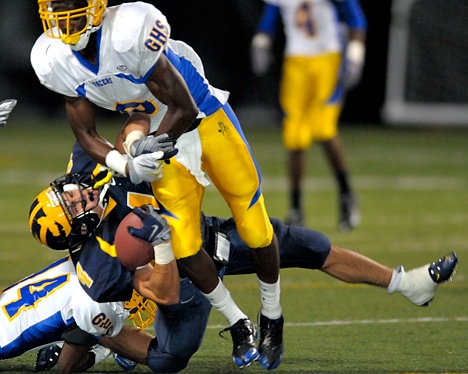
<point>271,342</point>
<point>443,269</point>
<point>419,285</point>
<point>295,218</point>
<point>349,212</point>
<point>243,334</point>
<point>125,363</point>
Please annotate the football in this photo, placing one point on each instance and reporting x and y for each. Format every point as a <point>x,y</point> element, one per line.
<point>132,251</point>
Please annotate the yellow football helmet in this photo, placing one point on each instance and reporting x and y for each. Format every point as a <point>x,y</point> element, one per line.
<point>48,221</point>
<point>142,310</point>
<point>53,223</point>
<point>72,21</point>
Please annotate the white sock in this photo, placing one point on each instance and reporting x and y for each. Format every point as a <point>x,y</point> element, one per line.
<point>396,279</point>
<point>270,295</point>
<point>221,300</point>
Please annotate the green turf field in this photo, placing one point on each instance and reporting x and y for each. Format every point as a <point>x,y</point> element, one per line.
<point>413,192</point>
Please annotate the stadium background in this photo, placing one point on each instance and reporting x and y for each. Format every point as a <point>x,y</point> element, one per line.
<point>220,31</point>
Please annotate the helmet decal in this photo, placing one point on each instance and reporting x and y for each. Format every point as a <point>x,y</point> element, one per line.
<point>61,222</point>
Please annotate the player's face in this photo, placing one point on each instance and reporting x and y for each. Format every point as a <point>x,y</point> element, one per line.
<point>75,24</point>
<point>82,201</point>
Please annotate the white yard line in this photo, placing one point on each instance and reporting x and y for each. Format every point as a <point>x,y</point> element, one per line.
<point>366,322</point>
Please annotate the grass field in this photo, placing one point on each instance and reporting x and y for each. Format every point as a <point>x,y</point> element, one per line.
<point>413,192</point>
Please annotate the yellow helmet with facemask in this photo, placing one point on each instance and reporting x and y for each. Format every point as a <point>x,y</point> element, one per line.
<point>72,21</point>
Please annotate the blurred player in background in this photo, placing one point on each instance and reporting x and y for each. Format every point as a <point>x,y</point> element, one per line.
<point>323,58</point>
<point>121,58</point>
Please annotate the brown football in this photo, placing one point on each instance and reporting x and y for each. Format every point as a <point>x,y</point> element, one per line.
<point>132,251</point>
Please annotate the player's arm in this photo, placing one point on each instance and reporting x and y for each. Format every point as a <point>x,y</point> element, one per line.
<point>166,83</point>
<point>81,115</point>
<point>131,343</point>
<point>160,282</point>
<point>75,359</point>
<point>76,355</point>
<point>82,119</point>
<point>351,14</point>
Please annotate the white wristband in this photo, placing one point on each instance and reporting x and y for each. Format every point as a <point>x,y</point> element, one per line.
<point>116,162</point>
<point>131,137</point>
<point>163,253</point>
<point>355,51</point>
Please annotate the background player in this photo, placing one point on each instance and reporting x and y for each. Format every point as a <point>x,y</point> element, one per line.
<point>318,68</point>
<point>91,59</point>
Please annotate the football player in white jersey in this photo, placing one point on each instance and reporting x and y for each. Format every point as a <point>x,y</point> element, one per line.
<point>121,58</point>
<point>323,58</point>
<point>51,306</point>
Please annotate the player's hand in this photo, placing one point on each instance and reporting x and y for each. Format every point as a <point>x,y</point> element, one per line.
<point>155,228</point>
<point>47,357</point>
<point>102,178</point>
<point>145,168</point>
<point>260,53</point>
<point>354,64</point>
<point>164,143</point>
<point>6,106</point>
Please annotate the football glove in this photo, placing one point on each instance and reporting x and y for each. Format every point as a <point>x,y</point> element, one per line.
<point>47,357</point>
<point>6,106</point>
<point>354,62</point>
<point>145,168</point>
<point>260,53</point>
<point>155,228</point>
<point>164,143</point>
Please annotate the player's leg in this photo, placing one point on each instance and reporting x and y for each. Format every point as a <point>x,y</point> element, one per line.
<point>228,160</point>
<point>326,117</point>
<point>309,249</point>
<point>296,95</point>
<point>180,195</point>
<point>179,331</point>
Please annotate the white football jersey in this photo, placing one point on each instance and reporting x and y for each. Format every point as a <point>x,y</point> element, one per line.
<point>131,40</point>
<point>36,310</point>
<point>311,27</point>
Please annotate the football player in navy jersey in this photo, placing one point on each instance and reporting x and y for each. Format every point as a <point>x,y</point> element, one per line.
<point>121,58</point>
<point>180,327</point>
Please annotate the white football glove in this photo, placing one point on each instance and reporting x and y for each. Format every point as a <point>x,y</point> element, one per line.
<point>164,144</point>
<point>145,168</point>
<point>260,53</point>
<point>6,106</point>
<point>355,52</point>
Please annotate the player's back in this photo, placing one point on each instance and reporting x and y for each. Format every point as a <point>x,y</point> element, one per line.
<point>36,309</point>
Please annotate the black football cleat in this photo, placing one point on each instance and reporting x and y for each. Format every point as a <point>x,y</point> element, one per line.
<point>244,335</point>
<point>271,342</point>
<point>443,269</point>
<point>349,212</point>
